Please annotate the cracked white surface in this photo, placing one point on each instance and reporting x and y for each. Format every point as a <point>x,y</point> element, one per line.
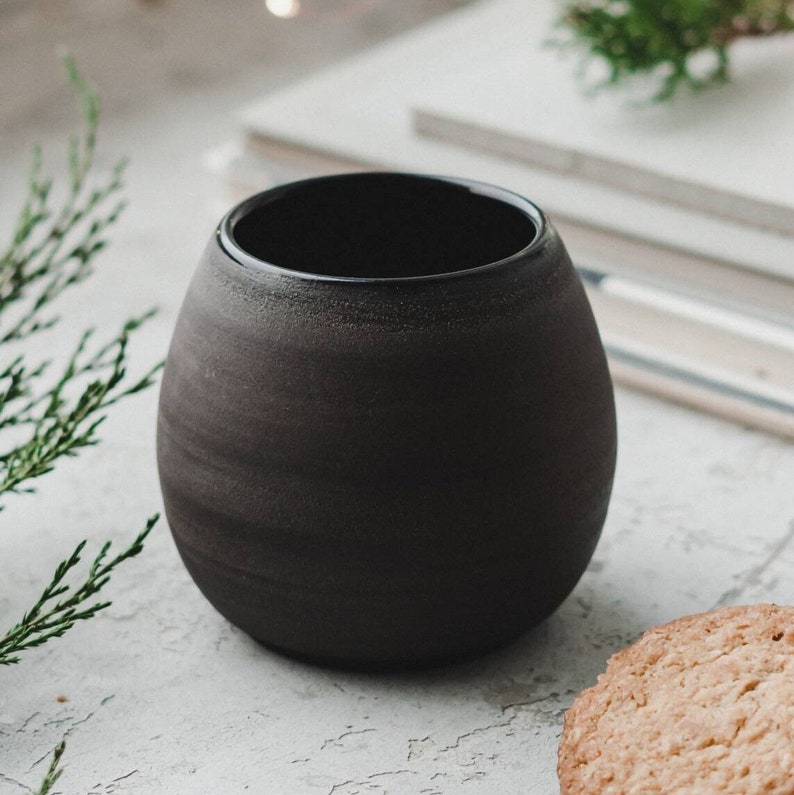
<point>164,696</point>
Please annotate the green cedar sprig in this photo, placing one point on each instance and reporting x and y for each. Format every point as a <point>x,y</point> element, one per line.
<point>53,247</point>
<point>42,419</point>
<point>62,605</point>
<point>662,37</point>
<point>60,425</point>
<point>54,771</point>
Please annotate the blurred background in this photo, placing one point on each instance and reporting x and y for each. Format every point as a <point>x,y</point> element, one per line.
<point>170,72</point>
<point>172,76</point>
<point>154,55</point>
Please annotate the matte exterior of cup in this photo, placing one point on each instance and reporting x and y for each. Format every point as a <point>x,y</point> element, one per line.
<point>386,472</point>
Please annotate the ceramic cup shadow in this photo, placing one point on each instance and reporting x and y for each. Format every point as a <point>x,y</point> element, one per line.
<point>387,431</point>
<point>554,660</point>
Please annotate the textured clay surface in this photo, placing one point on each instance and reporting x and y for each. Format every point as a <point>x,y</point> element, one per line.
<point>704,704</point>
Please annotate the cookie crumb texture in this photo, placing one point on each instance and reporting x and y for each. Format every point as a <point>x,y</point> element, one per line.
<point>702,705</point>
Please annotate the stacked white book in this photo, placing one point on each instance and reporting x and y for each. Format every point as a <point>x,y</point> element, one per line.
<point>679,216</point>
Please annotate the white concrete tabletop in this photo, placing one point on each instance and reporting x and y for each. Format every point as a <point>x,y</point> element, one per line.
<point>162,695</point>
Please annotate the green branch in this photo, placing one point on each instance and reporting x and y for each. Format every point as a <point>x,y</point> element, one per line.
<point>662,38</point>
<point>61,605</point>
<point>53,245</point>
<point>60,426</point>
<point>54,771</point>
<point>45,418</point>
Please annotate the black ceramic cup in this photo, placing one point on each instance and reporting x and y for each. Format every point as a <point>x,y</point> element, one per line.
<point>387,430</point>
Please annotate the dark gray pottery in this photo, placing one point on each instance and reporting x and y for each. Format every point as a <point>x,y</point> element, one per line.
<point>387,429</point>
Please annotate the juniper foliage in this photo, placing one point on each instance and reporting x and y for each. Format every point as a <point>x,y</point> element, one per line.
<point>54,771</point>
<point>48,412</point>
<point>670,39</point>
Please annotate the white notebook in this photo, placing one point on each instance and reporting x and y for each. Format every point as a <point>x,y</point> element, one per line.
<point>693,304</point>
<point>728,151</point>
<point>364,111</point>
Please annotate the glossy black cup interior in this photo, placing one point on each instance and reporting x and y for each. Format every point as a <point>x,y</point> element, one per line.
<point>375,226</point>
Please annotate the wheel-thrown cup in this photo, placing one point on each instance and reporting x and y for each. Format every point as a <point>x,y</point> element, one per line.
<point>387,430</point>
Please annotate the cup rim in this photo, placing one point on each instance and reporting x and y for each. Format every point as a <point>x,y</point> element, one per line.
<point>225,230</point>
